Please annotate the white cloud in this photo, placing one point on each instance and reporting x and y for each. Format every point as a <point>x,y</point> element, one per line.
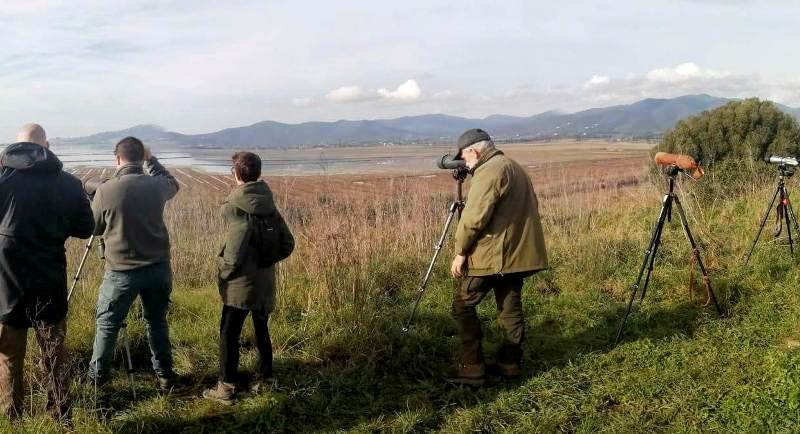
<point>444,94</point>
<point>597,80</point>
<point>684,72</point>
<point>303,102</point>
<point>668,82</point>
<point>347,94</point>
<point>407,91</point>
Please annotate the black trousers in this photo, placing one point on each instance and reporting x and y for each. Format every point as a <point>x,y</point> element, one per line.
<point>230,329</point>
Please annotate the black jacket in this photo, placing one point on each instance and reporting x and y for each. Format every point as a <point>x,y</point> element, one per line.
<point>40,207</point>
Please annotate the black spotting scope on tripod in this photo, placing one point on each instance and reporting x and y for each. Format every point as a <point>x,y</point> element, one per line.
<point>460,172</point>
<point>674,165</point>
<point>784,211</point>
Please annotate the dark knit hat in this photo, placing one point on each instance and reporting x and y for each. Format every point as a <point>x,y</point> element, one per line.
<point>469,138</point>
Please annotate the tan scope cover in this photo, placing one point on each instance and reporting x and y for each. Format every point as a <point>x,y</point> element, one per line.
<point>683,162</point>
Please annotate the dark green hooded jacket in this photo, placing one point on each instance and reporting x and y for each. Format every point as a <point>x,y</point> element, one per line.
<point>40,207</point>
<point>242,283</point>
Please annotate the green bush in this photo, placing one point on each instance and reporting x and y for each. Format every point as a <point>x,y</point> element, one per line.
<point>745,130</point>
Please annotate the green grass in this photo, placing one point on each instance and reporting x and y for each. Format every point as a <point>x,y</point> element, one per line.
<point>343,364</point>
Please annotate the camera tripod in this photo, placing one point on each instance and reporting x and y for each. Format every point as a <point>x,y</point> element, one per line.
<point>648,264</point>
<point>454,210</point>
<point>126,344</point>
<point>785,212</point>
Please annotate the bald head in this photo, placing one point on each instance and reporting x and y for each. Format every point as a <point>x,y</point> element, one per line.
<point>33,133</point>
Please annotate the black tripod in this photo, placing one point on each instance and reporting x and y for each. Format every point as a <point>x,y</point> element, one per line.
<point>459,175</point>
<point>652,249</point>
<point>785,212</point>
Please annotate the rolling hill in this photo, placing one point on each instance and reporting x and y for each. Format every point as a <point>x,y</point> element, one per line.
<point>643,119</point>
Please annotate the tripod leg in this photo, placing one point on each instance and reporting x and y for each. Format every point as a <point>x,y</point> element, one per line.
<point>763,223</point>
<point>786,204</point>
<point>128,359</point>
<point>454,207</point>
<point>651,266</point>
<point>696,252</point>
<point>80,267</point>
<point>792,214</point>
<point>662,216</point>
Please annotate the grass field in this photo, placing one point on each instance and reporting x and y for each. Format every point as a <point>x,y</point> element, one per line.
<point>343,364</point>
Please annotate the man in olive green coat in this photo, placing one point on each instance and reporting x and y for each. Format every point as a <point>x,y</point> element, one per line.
<point>247,273</point>
<point>499,242</point>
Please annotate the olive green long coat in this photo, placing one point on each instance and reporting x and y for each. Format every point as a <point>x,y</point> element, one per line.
<point>242,283</point>
<point>500,229</point>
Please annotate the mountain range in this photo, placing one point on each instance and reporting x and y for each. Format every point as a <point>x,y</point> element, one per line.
<point>648,118</point>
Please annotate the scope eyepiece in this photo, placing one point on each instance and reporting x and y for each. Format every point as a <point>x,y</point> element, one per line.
<point>450,162</point>
<point>782,161</point>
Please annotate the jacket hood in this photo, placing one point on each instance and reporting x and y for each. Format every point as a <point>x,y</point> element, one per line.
<point>31,157</point>
<point>253,198</point>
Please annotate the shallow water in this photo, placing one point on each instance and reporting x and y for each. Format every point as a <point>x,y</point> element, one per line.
<point>275,162</point>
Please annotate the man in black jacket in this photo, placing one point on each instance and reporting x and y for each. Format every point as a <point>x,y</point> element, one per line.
<point>40,207</point>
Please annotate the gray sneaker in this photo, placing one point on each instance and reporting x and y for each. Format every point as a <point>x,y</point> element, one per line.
<point>223,393</point>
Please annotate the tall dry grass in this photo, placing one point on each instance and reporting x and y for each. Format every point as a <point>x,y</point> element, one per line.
<point>360,255</point>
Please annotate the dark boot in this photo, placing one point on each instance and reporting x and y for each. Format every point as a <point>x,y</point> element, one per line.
<point>166,384</point>
<point>508,371</point>
<point>469,375</point>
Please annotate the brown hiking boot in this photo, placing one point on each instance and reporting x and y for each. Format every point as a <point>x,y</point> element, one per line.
<point>223,393</point>
<point>469,375</point>
<point>507,371</point>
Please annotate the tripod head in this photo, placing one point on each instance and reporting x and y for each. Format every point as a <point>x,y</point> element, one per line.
<point>672,171</point>
<point>786,171</point>
<point>678,163</point>
<point>460,174</point>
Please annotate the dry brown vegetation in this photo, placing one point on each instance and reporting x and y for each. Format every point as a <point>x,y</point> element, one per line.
<point>363,242</point>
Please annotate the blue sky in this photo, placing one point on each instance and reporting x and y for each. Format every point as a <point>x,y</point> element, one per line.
<point>85,66</point>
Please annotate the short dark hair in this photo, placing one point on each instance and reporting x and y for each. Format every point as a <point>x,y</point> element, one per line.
<point>130,149</point>
<point>247,166</point>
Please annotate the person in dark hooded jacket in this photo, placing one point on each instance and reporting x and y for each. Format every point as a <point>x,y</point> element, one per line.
<point>40,207</point>
<point>247,273</point>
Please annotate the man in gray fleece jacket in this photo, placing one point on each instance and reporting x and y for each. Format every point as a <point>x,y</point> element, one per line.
<point>129,216</point>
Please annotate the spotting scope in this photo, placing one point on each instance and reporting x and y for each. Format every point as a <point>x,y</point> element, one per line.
<point>782,161</point>
<point>450,162</point>
<point>683,162</point>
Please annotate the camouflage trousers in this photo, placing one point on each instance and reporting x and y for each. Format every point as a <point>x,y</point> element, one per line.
<point>507,293</point>
<point>13,343</point>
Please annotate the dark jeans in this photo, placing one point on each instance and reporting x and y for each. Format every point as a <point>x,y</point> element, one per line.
<point>230,329</point>
<point>117,293</point>
<point>507,292</point>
